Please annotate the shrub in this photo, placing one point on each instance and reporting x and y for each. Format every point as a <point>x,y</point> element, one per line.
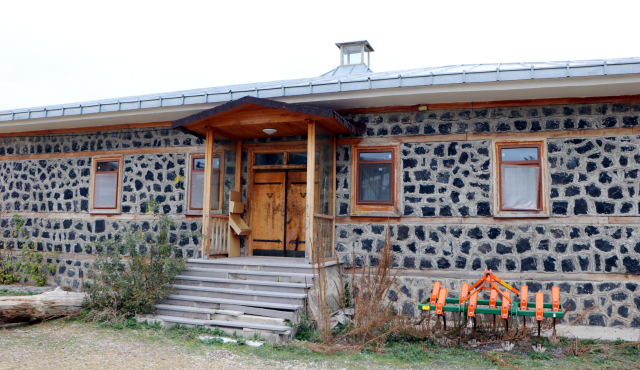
<point>133,270</point>
<point>31,265</point>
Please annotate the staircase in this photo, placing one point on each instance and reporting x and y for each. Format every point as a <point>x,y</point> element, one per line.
<point>242,295</point>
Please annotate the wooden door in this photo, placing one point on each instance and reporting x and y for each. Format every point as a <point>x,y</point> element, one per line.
<point>296,213</point>
<point>268,207</point>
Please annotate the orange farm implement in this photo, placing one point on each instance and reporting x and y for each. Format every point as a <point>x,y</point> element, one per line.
<point>500,303</point>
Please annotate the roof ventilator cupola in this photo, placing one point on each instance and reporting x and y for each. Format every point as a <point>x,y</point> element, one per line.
<point>354,58</point>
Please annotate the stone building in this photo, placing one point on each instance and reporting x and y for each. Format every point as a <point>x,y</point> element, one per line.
<point>528,169</point>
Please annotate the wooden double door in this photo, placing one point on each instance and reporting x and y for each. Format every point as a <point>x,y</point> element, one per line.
<point>279,213</point>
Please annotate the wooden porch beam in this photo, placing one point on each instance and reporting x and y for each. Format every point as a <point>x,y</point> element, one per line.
<point>311,180</point>
<point>206,203</point>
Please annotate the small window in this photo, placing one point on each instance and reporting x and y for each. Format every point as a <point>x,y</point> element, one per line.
<point>298,158</point>
<point>266,159</point>
<point>375,180</point>
<point>520,175</point>
<point>106,185</point>
<point>196,191</point>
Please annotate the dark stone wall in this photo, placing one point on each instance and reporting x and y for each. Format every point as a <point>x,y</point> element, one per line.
<point>595,176</point>
<point>61,186</point>
<point>500,120</point>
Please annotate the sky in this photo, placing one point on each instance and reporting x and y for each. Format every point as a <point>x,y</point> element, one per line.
<point>57,52</point>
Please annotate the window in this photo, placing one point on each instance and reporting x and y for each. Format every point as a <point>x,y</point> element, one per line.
<point>375,180</point>
<point>197,179</point>
<point>520,174</point>
<point>105,180</point>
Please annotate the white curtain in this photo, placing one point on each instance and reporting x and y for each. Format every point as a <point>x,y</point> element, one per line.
<point>520,187</point>
<point>197,190</point>
<point>106,190</point>
<point>375,183</point>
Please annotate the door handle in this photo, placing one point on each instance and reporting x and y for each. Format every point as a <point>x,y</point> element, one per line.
<point>269,195</point>
<point>303,194</point>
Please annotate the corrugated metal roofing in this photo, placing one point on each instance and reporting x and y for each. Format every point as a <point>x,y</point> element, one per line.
<point>328,83</point>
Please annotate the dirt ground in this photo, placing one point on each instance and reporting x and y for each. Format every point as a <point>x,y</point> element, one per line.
<point>79,345</point>
<point>58,345</point>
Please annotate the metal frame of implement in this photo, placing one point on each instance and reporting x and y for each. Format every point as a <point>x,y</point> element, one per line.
<point>468,305</point>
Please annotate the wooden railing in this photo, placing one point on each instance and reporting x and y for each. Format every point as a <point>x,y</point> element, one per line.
<point>218,235</point>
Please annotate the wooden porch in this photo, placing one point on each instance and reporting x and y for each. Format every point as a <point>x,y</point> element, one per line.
<point>267,225</point>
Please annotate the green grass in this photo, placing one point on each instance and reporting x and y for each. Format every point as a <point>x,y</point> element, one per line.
<point>396,355</point>
<point>8,293</point>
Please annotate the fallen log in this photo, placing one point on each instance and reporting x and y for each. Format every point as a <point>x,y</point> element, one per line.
<point>43,306</point>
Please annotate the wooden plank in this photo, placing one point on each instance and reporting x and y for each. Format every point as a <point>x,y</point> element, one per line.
<point>238,186</point>
<point>206,204</point>
<point>311,179</point>
<point>624,220</point>
<point>268,201</point>
<point>87,129</point>
<point>172,150</point>
<point>238,225</point>
<point>93,216</point>
<point>586,220</point>
<point>296,209</point>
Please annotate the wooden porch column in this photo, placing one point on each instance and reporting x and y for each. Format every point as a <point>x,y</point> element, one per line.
<point>234,240</point>
<point>311,180</point>
<point>206,203</point>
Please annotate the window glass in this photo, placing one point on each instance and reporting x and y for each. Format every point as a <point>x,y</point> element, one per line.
<point>375,183</point>
<point>376,156</point>
<point>196,186</point>
<point>520,187</point>
<point>198,163</point>
<point>197,189</point>
<point>297,158</point>
<point>519,154</point>
<point>264,159</point>
<point>106,166</point>
<point>352,54</point>
<point>106,190</point>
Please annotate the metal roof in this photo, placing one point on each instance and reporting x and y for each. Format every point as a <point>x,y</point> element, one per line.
<point>329,83</point>
<point>365,42</point>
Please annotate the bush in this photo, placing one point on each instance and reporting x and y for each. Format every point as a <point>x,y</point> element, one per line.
<point>133,270</point>
<point>30,265</point>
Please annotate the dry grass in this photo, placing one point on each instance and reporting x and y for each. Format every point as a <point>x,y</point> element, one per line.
<point>374,318</point>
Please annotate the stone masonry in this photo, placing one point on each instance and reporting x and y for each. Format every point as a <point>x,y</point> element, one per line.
<point>590,177</point>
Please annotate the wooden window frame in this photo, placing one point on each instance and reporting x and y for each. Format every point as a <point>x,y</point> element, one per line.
<point>92,185</point>
<point>543,184</point>
<point>373,208</point>
<point>191,158</point>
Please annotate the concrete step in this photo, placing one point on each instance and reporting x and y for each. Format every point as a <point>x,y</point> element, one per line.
<point>258,285</point>
<point>287,265</point>
<point>236,274</point>
<point>272,333</point>
<point>241,294</point>
<point>289,313</point>
<point>188,312</point>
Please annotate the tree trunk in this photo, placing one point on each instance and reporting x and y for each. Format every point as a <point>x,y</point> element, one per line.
<point>42,306</point>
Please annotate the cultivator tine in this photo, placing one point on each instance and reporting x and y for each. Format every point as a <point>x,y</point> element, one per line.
<point>434,292</point>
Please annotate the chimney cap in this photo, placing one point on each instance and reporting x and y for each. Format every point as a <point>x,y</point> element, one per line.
<point>365,42</point>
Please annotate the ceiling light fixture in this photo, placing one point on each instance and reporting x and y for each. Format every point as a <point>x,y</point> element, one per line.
<point>270,131</point>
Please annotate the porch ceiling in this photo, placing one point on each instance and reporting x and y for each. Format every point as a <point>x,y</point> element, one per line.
<point>245,118</point>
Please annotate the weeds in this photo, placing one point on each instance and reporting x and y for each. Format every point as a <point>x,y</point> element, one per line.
<point>31,265</point>
<point>133,270</point>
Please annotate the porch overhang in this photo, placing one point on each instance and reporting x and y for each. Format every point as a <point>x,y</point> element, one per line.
<point>247,117</point>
